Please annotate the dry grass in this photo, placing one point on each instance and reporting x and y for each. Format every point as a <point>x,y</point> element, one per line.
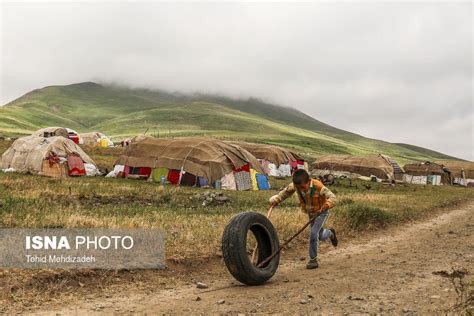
<point>193,231</point>
<point>32,201</point>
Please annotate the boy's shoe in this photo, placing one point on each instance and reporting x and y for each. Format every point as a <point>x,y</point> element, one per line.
<point>312,264</point>
<point>333,237</point>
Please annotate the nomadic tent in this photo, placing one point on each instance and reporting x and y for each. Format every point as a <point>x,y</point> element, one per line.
<point>96,139</point>
<point>59,131</point>
<point>354,166</point>
<point>193,161</point>
<point>461,172</point>
<point>425,173</point>
<point>275,160</point>
<point>51,131</point>
<point>53,156</point>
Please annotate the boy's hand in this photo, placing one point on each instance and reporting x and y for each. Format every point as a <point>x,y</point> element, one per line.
<point>273,201</point>
<point>324,208</point>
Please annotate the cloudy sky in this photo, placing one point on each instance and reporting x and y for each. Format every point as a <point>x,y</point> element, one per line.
<point>397,71</point>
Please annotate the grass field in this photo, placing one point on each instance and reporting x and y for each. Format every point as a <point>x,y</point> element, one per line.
<point>193,231</point>
<point>121,112</point>
<point>32,201</point>
<point>35,201</point>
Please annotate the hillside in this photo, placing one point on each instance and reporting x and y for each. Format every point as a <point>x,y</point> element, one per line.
<point>121,112</point>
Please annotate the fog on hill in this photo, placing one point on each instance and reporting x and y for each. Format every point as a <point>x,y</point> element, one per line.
<point>399,71</point>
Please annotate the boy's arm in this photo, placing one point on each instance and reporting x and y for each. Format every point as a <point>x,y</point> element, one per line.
<point>330,198</point>
<point>288,191</point>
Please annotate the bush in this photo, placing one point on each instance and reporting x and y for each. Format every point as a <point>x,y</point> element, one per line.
<point>359,216</point>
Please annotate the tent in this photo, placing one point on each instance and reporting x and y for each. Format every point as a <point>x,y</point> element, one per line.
<point>275,160</point>
<point>51,131</point>
<point>194,161</point>
<point>128,141</point>
<point>96,139</point>
<point>53,156</point>
<point>354,166</point>
<point>425,173</point>
<point>462,172</point>
<point>59,131</point>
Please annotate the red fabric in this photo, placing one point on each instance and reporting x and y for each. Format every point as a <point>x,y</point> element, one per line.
<point>144,171</point>
<point>74,138</point>
<point>53,159</point>
<point>126,171</point>
<point>76,166</point>
<point>173,176</point>
<point>243,168</point>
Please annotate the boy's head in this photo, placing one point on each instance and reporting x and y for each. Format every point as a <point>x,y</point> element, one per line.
<point>301,180</point>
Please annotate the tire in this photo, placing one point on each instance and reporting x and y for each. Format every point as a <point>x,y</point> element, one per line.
<point>234,247</point>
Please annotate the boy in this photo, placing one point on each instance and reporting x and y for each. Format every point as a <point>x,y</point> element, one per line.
<point>315,200</point>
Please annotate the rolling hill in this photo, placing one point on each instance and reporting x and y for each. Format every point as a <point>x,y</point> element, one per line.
<point>120,112</point>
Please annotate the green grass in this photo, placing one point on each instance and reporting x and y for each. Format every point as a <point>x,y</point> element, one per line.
<point>121,112</point>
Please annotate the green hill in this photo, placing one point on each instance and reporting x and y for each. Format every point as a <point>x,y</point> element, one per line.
<point>121,112</point>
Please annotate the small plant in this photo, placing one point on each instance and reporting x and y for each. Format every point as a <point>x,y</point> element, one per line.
<point>345,201</point>
<point>359,216</point>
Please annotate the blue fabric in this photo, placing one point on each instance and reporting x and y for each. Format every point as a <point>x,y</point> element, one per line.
<point>318,233</point>
<point>202,182</point>
<point>262,182</point>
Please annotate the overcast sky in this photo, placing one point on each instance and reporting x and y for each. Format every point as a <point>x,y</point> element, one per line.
<point>396,71</point>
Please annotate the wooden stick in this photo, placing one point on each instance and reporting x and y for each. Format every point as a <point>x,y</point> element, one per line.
<point>254,254</point>
<point>264,262</point>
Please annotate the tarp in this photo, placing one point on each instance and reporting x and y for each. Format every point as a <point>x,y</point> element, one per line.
<point>203,157</point>
<point>426,168</point>
<point>455,166</point>
<point>275,154</point>
<point>27,154</point>
<point>52,131</point>
<point>262,182</point>
<point>364,165</point>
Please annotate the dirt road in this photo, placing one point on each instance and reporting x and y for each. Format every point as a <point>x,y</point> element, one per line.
<point>391,272</point>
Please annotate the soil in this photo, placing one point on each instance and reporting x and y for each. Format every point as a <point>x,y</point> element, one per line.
<point>408,269</point>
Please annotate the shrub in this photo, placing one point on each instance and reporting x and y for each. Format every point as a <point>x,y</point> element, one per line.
<point>359,216</point>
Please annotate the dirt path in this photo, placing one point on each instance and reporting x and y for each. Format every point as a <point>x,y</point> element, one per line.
<point>389,273</point>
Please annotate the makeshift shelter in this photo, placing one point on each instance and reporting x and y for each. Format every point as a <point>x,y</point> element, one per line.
<point>59,131</point>
<point>354,166</point>
<point>275,160</point>
<point>425,173</point>
<point>461,172</point>
<point>53,156</point>
<point>52,131</point>
<point>96,139</point>
<point>128,141</point>
<point>193,161</point>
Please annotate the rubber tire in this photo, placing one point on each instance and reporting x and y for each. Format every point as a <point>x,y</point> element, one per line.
<point>234,247</point>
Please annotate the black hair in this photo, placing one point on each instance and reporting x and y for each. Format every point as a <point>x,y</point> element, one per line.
<point>300,176</point>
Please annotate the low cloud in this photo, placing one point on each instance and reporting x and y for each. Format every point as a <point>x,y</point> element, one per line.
<point>400,71</point>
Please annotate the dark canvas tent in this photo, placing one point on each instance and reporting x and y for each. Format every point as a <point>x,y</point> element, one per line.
<point>376,165</point>
<point>275,160</point>
<point>207,158</point>
<point>277,155</point>
<point>459,170</point>
<point>425,169</point>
